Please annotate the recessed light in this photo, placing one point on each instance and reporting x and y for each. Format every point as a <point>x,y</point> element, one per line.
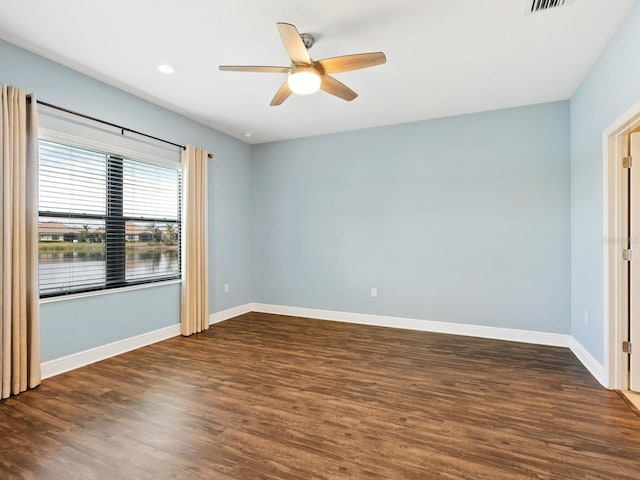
<point>166,69</point>
<point>247,134</point>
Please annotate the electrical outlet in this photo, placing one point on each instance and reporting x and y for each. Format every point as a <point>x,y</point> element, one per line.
<point>586,316</point>
<point>374,292</point>
<point>226,288</point>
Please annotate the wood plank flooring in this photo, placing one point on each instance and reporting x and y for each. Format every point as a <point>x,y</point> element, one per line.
<point>273,397</point>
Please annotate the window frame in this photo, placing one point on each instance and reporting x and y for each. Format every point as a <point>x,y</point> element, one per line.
<point>114,270</point>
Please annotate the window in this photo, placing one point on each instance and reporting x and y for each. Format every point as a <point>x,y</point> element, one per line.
<point>105,221</point>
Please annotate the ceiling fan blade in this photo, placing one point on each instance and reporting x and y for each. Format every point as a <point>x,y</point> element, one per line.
<point>257,69</point>
<point>347,63</point>
<point>281,95</point>
<point>339,89</point>
<point>293,44</point>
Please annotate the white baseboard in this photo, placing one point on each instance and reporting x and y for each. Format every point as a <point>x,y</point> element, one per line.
<point>590,363</point>
<point>86,357</point>
<point>526,336</point>
<point>80,359</point>
<point>230,313</point>
<point>514,335</point>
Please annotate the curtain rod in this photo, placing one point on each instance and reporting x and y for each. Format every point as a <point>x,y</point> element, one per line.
<point>120,127</point>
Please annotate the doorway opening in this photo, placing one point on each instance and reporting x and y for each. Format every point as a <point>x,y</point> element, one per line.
<point>622,253</point>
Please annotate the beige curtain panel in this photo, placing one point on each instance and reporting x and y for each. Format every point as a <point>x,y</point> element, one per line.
<point>20,320</point>
<point>194,307</point>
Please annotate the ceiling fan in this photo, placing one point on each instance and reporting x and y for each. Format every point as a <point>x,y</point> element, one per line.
<point>307,76</point>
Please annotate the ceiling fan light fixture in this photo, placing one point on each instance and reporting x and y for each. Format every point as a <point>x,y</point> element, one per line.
<point>306,76</point>
<point>304,80</point>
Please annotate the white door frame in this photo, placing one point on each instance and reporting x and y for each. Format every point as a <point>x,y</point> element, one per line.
<point>614,236</point>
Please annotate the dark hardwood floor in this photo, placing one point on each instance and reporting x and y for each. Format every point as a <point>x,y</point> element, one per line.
<point>272,397</point>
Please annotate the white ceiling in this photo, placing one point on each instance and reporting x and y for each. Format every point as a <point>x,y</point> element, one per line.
<point>445,57</point>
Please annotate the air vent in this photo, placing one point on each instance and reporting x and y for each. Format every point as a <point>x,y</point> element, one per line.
<point>535,6</point>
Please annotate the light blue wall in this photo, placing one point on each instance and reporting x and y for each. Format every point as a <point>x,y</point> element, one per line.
<point>612,87</point>
<point>75,325</point>
<point>462,219</point>
<point>72,326</point>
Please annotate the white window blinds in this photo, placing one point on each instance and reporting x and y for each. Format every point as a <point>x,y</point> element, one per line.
<point>106,221</point>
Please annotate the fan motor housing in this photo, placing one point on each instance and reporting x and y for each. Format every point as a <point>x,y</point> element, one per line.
<point>308,40</point>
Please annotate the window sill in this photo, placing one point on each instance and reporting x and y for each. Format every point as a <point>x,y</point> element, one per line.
<point>75,296</point>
